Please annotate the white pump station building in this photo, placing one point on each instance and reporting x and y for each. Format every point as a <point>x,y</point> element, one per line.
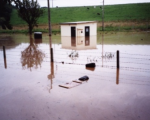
<point>79,35</point>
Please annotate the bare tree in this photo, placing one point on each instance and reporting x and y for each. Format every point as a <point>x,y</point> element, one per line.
<point>29,11</point>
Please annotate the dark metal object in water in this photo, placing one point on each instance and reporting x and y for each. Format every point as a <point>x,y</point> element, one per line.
<point>84,78</point>
<point>92,65</point>
<point>37,35</point>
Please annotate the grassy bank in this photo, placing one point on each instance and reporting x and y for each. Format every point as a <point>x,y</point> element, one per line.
<point>125,12</point>
<point>116,17</point>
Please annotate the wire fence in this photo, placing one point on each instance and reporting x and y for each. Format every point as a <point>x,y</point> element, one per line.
<point>72,61</point>
<point>133,61</point>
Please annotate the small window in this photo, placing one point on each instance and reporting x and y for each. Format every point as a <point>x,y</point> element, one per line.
<point>87,30</point>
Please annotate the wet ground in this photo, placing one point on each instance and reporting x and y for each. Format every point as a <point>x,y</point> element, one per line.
<point>29,83</point>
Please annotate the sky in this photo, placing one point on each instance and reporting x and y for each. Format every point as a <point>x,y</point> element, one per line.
<point>66,3</point>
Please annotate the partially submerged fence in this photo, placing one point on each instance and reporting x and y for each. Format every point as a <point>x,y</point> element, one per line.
<point>105,59</point>
<point>68,59</point>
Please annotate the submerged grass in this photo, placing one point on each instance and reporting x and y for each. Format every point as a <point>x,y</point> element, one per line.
<point>125,28</point>
<point>26,31</point>
<point>124,38</point>
<point>109,37</point>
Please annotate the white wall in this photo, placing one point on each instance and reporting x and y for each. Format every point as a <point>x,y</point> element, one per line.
<point>93,28</point>
<point>66,29</point>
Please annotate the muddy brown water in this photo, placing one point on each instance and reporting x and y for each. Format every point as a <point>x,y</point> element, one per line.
<point>29,83</point>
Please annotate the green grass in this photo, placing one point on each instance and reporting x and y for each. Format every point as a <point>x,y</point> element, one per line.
<point>26,31</point>
<point>15,20</point>
<point>127,12</point>
<point>124,12</point>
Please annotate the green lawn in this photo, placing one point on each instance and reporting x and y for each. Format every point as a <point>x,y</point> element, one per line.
<point>124,12</point>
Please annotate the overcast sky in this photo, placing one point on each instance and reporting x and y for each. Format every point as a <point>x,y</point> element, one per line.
<point>63,3</point>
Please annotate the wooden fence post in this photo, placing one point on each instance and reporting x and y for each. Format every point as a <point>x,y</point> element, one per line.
<point>52,60</point>
<point>118,62</point>
<point>4,53</point>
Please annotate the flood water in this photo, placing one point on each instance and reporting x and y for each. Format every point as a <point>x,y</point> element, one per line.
<point>29,82</point>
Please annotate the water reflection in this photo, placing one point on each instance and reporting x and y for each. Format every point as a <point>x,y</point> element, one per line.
<point>117,76</point>
<point>5,62</point>
<point>91,69</point>
<point>51,76</point>
<point>8,41</point>
<point>87,41</point>
<point>37,41</point>
<point>79,43</point>
<point>31,57</point>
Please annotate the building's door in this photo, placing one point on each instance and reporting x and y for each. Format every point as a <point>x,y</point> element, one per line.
<point>87,31</point>
<point>73,31</point>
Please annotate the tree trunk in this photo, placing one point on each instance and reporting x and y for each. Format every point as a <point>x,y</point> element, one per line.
<point>30,29</point>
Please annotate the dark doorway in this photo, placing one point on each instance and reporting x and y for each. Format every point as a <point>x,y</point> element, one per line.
<point>87,31</point>
<point>73,31</point>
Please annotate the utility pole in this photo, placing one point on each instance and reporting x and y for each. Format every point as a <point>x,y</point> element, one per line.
<point>50,31</point>
<point>49,19</point>
<point>103,17</point>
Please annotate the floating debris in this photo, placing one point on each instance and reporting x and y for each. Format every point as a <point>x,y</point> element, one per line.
<point>91,65</point>
<point>74,54</point>
<point>70,85</point>
<point>75,83</point>
<point>84,78</point>
<point>108,55</point>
